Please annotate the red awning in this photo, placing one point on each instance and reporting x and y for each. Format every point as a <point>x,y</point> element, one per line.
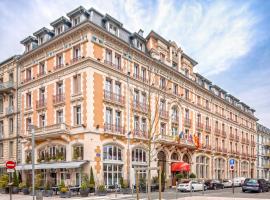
<point>180,167</point>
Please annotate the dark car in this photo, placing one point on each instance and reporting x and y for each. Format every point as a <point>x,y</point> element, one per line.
<point>214,184</point>
<point>255,185</point>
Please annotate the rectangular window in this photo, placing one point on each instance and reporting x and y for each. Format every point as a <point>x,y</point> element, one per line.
<point>28,74</point>
<point>59,60</point>
<point>136,123</point>
<point>11,77</point>
<point>118,119</point>
<point>108,85</point>
<point>143,70</point>
<point>108,116</point>
<point>1,105</point>
<point>77,84</point>
<point>108,58</point>
<point>11,149</point>
<point>27,123</point>
<point>136,96</point>
<point>59,88</point>
<point>117,59</point>
<point>1,129</point>
<point>136,71</point>
<point>77,115</point>
<point>10,125</point>
<point>163,129</point>
<point>59,30</point>
<point>59,116</point>
<point>76,20</point>
<point>143,125</point>
<point>1,150</point>
<point>77,52</point>
<point>42,121</point>
<point>175,89</point>
<point>113,29</point>
<point>162,82</point>
<point>28,100</point>
<point>41,69</point>
<point>187,94</point>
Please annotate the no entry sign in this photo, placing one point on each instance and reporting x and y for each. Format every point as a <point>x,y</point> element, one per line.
<point>10,164</point>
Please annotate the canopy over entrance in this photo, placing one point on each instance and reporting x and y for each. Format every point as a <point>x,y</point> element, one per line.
<point>180,167</point>
<point>64,165</point>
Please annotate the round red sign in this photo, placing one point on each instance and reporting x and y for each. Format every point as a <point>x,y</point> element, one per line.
<point>10,164</point>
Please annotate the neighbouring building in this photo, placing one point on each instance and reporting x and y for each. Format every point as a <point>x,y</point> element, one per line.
<point>263,152</point>
<point>96,92</point>
<point>8,111</point>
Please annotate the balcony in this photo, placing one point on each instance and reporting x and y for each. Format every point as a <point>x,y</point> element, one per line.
<point>247,141</point>
<point>187,98</point>
<point>140,134</point>
<point>58,66</point>
<point>266,166</point>
<point>237,139</point>
<point>224,151</point>
<point>253,143</point>
<point>114,129</point>
<point>55,131</point>
<point>187,122</point>
<point>28,79</point>
<point>140,78</point>
<point>206,147</point>
<point>172,140</point>
<point>217,132</point>
<point>208,128</point>
<point>175,119</point>
<point>76,59</point>
<point>58,99</point>
<point>199,126</point>
<point>40,74</point>
<point>243,140</point>
<point>140,107</point>
<point>114,98</point>
<point>223,134</point>
<point>7,87</point>
<point>163,114</point>
<point>10,110</point>
<point>112,65</point>
<point>40,104</point>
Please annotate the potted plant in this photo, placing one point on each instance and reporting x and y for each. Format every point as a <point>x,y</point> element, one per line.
<point>47,157</point>
<point>64,192</point>
<point>162,181</point>
<point>142,185</point>
<point>155,184</point>
<point>84,191</point>
<point>101,190</point>
<point>4,184</point>
<point>192,175</point>
<point>92,181</point>
<point>124,186</point>
<point>15,189</point>
<point>179,177</point>
<point>48,191</point>
<point>23,187</point>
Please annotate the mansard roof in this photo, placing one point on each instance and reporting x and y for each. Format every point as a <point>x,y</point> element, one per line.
<point>43,30</point>
<point>29,39</point>
<point>60,20</point>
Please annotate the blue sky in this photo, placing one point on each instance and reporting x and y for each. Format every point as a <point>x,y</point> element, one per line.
<point>230,39</point>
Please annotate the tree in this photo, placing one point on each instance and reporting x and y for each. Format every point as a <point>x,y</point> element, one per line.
<point>92,180</point>
<point>192,175</point>
<point>15,179</point>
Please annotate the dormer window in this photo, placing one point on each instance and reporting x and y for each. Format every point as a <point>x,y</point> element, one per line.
<point>186,72</point>
<point>76,20</point>
<point>139,45</point>
<point>113,29</point>
<point>41,40</point>
<point>28,47</point>
<point>59,30</point>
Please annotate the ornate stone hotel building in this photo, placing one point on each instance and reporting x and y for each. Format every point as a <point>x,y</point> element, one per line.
<point>97,92</point>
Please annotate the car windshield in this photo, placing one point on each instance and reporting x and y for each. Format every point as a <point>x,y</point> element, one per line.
<point>252,181</point>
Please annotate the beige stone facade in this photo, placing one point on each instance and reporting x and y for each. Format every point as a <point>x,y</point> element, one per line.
<point>96,94</point>
<point>8,111</point>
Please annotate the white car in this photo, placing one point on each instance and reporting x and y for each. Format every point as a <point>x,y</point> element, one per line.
<point>238,181</point>
<point>193,185</point>
<point>227,183</point>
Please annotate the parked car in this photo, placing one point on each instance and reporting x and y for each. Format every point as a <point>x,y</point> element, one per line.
<point>255,185</point>
<point>238,181</point>
<point>227,183</point>
<point>214,184</point>
<point>194,185</point>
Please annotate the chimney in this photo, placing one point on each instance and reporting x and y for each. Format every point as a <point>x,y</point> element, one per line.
<point>140,32</point>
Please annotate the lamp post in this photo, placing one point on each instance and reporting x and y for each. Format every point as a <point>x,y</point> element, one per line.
<point>32,129</point>
<point>128,130</point>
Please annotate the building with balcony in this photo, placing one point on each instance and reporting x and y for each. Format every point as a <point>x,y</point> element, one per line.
<point>8,111</point>
<point>263,151</point>
<point>97,94</point>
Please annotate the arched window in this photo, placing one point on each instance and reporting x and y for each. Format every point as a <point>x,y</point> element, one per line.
<point>202,167</point>
<point>219,168</point>
<point>174,114</point>
<point>113,171</point>
<point>244,169</point>
<point>186,158</point>
<point>174,156</point>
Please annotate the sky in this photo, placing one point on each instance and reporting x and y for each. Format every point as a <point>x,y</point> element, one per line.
<point>228,38</point>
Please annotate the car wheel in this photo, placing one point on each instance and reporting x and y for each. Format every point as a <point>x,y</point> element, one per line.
<point>243,190</point>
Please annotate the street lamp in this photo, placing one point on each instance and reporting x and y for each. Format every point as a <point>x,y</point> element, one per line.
<point>32,129</point>
<point>128,129</point>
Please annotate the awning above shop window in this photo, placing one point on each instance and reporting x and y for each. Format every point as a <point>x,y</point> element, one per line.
<point>65,165</point>
<point>180,167</point>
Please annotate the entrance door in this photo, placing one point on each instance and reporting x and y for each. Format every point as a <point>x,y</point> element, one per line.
<point>53,177</point>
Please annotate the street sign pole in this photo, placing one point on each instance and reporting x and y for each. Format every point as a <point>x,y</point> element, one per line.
<point>10,166</point>
<point>10,186</point>
<point>232,170</point>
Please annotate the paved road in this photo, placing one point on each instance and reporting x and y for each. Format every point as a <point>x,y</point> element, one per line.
<point>225,194</point>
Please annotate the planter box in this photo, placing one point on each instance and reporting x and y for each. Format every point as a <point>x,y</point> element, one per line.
<point>25,191</point>
<point>65,194</point>
<point>48,193</point>
<point>125,191</point>
<point>84,193</point>
<point>91,190</point>
<point>15,190</point>
<point>103,193</point>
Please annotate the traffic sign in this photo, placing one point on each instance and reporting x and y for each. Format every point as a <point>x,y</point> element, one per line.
<point>10,170</point>
<point>10,164</point>
<point>231,167</point>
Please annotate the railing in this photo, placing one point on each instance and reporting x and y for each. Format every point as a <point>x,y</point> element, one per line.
<point>253,143</point>
<point>111,64</point>
<point>199,126</point>
<point>163,114</point>
<point>237,138</point>
<point>223,133</point>
<point>247,141</point>
<point>27,79</point>
<point>231,136</point>
<point>217,132</point>
<point>6,85</point>
<point>139,134</point>
<point>140,106</point>
<point>187,122</point>
<point>208,128</point>
<point>175,140</point>
<point>52,130</point>
<point>175,119</point>
<point>76,59</point>
<point>58,66</point>
<point>187,98</point>
<point>41,103</point>
<point>58,98</point>
<point>243,140</point>
<point>40,74</point>
<point>10,110</point>
<point>141,78</point>
<point>113,97</point>
<point>206,147</point>
<point>115,129</point>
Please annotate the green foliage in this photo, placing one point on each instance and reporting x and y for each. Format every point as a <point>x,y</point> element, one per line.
<point>192,175</point>
<point>62,185</point>
<point>47,157</point>
<point>155,180</point>
<point>123,183</point>
<point>38,181</point>
<point>76,153</point>
<point>101,188</point>
<point>179,176</point>
<point>84,186</point>
<point>15,179</point>
<point>4,180</point>
<point>64,189</point>
<point>92,180</point>
<point>22,185</point>
<point>85,179</point>
<point>48,186</point>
